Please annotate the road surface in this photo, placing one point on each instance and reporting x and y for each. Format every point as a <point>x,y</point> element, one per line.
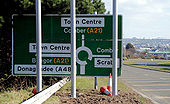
<point>153,84</point>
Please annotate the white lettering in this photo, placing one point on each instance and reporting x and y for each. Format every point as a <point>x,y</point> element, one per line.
<point>100,50</point>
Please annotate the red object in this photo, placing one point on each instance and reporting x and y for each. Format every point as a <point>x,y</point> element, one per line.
<point>34,91</point>
<point>105,91</point>
<point>109,87</point>
<point>110,76</point>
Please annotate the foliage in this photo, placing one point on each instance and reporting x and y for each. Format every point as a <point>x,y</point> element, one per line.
<point>99,5</point>
<point>130,50</point>
<point>63,6</point>
<point>1,21</point>
<point>129,45</point>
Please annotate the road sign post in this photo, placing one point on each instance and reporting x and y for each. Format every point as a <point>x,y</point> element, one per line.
<point>95,78</point>
<point>73,48</point>
<point>115,45</point>
<point>38,44</point>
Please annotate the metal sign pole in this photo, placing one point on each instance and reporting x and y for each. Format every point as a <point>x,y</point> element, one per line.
<point>38,44</point>
<point>115,45</point>
<point>95,78</point>
<point>73,49</point>
<point>95,82</point>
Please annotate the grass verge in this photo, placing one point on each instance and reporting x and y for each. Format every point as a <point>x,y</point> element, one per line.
<point>132,62</point>
<point>164,63</point>
<point>84,84</point>
<point>14,97</point>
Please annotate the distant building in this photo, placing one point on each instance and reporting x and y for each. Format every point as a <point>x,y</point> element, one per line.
<point>153,44</point>
<point>143,49</point>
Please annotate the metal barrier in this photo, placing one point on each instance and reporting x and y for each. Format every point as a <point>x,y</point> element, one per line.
<point>45,94</point>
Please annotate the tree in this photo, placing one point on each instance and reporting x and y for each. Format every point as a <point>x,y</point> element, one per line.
<point>129,45</point>
<point>130,50</point>
<point>63,6</point>
<point>99,6</point>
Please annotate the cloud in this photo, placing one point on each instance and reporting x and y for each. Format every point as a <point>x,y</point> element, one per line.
<point>144,6</point>
<point>144,16</point>
<point>145,9</point>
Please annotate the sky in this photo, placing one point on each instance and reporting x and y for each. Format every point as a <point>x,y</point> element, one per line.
<point>144,18</point>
